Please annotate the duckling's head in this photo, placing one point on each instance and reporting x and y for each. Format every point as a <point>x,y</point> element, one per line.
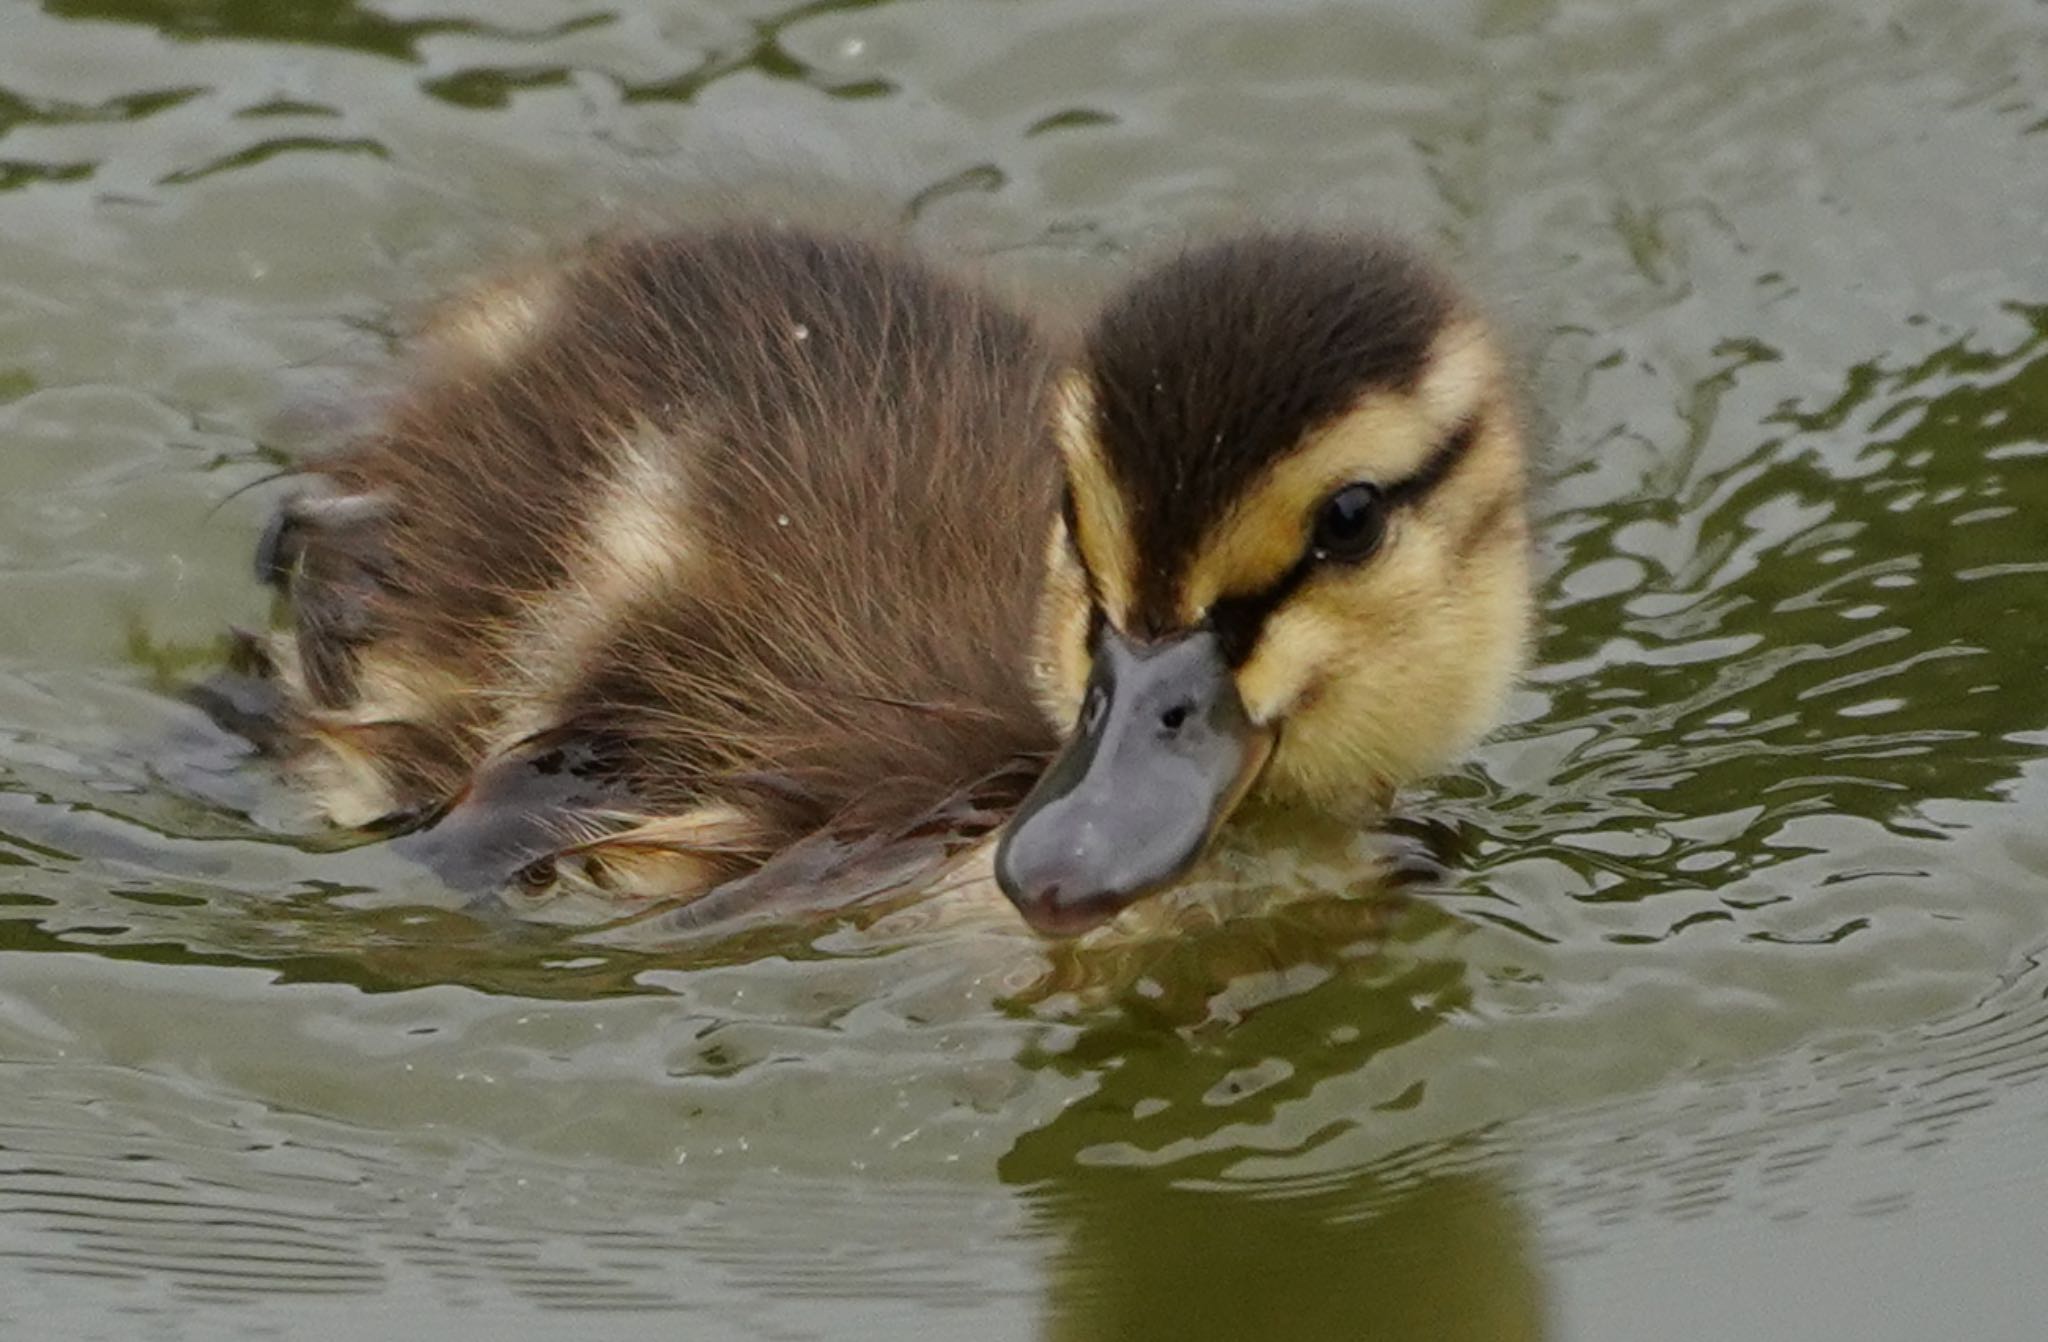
<point>1292,562</point>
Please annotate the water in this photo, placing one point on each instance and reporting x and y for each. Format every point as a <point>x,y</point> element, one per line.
<point>1731,1022</point>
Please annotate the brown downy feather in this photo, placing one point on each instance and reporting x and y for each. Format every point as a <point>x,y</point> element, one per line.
<point>672,555</point>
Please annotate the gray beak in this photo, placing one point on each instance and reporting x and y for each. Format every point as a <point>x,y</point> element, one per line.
<point>1162,753</point>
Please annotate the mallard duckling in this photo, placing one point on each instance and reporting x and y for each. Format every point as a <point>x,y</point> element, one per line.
<point>693,548</point>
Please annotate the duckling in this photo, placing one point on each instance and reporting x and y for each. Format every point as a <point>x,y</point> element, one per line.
<point>681,553</point>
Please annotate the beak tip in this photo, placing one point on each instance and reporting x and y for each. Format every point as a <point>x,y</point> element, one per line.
<point>1055,916</point>
<point>1041,887</point>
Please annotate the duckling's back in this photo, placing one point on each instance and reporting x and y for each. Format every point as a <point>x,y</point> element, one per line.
<point>672,554</point>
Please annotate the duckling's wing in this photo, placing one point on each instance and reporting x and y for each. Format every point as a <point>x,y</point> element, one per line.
<point>517,811</point>
<point>833,870</point>
<point>550,817</point>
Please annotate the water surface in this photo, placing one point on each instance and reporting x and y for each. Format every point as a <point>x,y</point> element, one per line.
<point>1729,1023</point>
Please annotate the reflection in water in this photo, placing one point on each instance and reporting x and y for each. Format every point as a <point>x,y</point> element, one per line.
<point>1161,1240</point>
<point>1447,1259</point>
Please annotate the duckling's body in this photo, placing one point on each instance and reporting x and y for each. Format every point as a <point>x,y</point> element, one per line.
<point>734,536</point>
<point>695,547</point>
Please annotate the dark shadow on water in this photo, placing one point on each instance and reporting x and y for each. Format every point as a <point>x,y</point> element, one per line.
<point>1161,1237</point>
<point>1445,1260</point>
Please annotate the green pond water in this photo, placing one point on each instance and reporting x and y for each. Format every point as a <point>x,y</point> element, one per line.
<point>1730,1020</point>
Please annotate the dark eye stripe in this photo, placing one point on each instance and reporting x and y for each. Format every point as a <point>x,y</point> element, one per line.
<point>1437,467</point>
<point>1239,620</point>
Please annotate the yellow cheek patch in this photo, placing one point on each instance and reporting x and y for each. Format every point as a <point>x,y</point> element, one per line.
<point>1294,652</point>
<point>1386,437</point>
<point>1104,535</point>
<point>1383,675</point>
<point>1339,620</point>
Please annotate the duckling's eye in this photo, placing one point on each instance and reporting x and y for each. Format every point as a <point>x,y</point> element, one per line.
<point>1350,524</point>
